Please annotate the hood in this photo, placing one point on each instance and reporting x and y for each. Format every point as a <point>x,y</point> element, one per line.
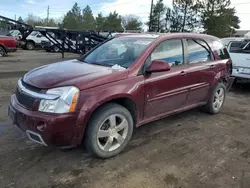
<point>72,72</point>
<point>7,37</point>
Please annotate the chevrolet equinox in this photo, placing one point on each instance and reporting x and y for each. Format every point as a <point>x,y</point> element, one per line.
<point>121,84</point>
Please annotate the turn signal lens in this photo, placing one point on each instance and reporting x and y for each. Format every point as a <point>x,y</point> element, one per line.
<point>74,101</point>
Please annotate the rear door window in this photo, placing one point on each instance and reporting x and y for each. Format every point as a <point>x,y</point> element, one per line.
<point>198,51</point>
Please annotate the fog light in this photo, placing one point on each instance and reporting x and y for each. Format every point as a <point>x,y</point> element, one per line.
<point>41,127</point>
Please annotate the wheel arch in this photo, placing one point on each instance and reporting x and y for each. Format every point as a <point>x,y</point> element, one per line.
<point>30,40</point>
<point>125,100</point>
<point>3,48</point>
<point>221,76</point>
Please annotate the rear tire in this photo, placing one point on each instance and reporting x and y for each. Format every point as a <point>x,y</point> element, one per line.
<point>217,99</point>
<point>2,52</point>
<point>109,131</point>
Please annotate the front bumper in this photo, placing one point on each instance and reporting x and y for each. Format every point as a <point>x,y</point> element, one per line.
<point>11,49</point>
<point>44,128</point>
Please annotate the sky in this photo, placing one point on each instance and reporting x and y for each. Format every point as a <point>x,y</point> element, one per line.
<point>141,8</point>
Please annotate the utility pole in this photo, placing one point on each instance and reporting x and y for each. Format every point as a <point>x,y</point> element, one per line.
<point>48,16</point>
<point>15,17</point>
<point>150,16</point>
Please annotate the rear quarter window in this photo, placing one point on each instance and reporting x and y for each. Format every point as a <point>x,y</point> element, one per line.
<point>219,50</point>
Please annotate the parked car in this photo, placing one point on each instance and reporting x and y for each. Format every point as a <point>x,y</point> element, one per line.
<point>122,84</point>
<point>240,54</point>
<point>35,40</point>
<point>7,44</point>
<point>227,40</point>
<point>15,33</point>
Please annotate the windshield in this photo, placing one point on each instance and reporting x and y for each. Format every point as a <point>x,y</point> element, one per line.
<point>118,51</point>
<point>34,33</point>
<point>235,46</point>
<point>14,33</point>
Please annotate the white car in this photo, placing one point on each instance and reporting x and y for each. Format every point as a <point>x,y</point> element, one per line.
<point>240,55</point>
<point>227,40</point>
<point>36,39</point>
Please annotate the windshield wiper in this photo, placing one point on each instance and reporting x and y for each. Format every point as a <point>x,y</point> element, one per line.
<point>96,63</point>
<point>104,65</point>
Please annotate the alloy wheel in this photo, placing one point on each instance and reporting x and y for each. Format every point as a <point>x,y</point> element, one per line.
<point>112,132</point>
<point>1,52</point>
<point>218,99</point>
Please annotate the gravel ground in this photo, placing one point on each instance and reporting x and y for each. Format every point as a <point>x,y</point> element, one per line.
<point>191,149</point>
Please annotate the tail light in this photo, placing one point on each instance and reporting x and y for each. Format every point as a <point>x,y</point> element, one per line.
<point>230,66</point>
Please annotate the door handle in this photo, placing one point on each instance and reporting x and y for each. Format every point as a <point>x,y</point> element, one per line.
<point>248,58</point>
<point>183,73</point>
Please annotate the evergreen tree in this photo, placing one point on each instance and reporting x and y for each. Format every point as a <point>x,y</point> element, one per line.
<point>219,18</point>
<point>131,22</point>
<point>113,22</point>
<point>88,20</point>
<point>73,18</point>
<point>20,19</point>
<point>100,22</point>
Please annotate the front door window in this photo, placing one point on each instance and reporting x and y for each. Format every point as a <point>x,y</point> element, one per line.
<point>170,51</point>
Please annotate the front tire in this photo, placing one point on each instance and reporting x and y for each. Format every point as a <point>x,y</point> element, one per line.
<point>2,52</point>
<point>30,45</point>
<point>109,131</point>
<point>56,49</point>
<point>216,100</point>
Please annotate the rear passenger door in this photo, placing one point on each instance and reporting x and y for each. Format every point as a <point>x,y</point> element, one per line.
<point>201,70</point>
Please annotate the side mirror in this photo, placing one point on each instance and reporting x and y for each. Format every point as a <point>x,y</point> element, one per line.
<point>39,36</point>
<point>158,66</point>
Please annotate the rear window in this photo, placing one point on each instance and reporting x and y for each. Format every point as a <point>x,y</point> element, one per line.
<point>220,52</point>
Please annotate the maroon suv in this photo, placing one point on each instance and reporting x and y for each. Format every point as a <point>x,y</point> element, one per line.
<point>120,85</point>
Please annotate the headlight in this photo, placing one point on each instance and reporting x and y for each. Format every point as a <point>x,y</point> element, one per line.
<point>65,103</point>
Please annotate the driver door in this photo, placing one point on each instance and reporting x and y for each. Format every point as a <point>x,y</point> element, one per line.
<point>166,91</point>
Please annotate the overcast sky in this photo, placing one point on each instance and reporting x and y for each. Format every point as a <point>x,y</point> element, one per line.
<point>58,8</point>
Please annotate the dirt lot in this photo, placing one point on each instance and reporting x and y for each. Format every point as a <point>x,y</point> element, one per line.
<point>192,149</point>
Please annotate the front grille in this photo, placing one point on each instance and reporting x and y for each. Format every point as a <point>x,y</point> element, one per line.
<point>24,99</point>
<point>32,88</point>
